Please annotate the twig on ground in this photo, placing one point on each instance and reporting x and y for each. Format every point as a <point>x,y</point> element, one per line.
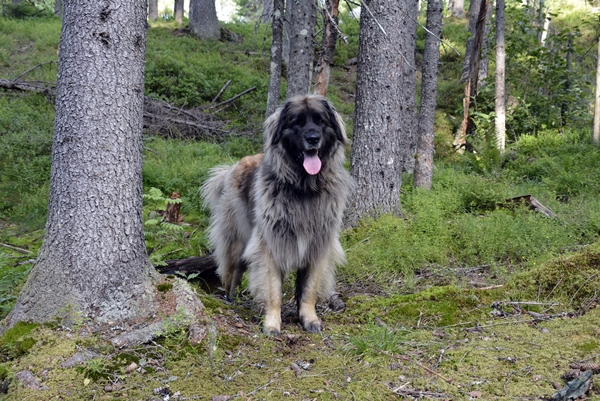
<point>17,249</point>
<point>33,68</point>
<point>221,91</point>
<point>408,359</point>
<point>232,99</point>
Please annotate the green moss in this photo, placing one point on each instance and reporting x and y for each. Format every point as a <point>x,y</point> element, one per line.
<point>437,306</point>
<point>164,287</point>
<point>15,341</point>
<point>572,280</point>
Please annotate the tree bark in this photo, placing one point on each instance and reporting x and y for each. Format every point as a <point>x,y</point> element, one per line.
<point>467,126</point>
<point>596,134</point>
<point>153,10</point>
<point>93,262</point>
<point>376,159</point>
<point>500,105</point>
<point>458,8</point>
<point>58,8</point>
<point>474,8</point>
<point>178,10</point>
<point>330,20</point>
<point>303,21</point>
<point>203,19</point>
<point>276,50</point>
<point>423,173</point>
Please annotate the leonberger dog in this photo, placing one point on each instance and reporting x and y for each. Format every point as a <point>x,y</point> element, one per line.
<point>281,211</point>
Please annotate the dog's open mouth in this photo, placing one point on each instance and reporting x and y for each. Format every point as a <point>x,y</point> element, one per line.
<point>311,163</point>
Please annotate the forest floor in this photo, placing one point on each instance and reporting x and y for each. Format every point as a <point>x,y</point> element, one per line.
<point>464,342</point>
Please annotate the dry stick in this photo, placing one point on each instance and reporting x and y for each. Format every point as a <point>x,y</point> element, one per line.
<point>17,249</point>
<point>221,91</point>
<point>406,358</point>
<point>33,68</point>
<point>232,99</point>
<point>185,122</point>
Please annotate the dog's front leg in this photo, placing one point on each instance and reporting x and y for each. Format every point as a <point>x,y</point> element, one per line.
<point>272,324</point>
<point>307,288</point>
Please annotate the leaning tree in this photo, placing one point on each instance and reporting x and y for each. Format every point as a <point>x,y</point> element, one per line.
<point>93,263</point>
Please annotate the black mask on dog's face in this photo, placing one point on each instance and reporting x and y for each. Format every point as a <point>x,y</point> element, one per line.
<point>307,134</point>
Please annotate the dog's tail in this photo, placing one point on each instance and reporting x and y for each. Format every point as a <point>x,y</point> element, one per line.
<point>213,187</point>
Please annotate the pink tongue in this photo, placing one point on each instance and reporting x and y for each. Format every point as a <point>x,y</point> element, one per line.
<point>312,164</point>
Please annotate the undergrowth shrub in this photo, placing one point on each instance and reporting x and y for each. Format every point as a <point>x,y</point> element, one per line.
<point>26,125</point>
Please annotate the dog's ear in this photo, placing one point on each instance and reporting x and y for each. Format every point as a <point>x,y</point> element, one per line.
<point>336,121</point>
<point>275,124</point>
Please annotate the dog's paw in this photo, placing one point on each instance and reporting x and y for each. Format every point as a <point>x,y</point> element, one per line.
<point>271,331</point>
<point>314,326</point>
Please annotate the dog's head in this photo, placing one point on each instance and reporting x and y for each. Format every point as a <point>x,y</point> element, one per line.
<point>308,129</point>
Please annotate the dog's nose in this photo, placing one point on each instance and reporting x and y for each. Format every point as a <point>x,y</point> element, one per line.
<point>313,138</point>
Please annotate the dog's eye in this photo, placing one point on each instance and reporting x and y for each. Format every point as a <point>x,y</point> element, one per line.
<point>317,119</point>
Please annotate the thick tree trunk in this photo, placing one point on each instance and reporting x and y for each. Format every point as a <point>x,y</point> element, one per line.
<point>203,19</point>
<point>303,20</point>
<point>425,137</point>
<point>276,49</point>
<point>178,10</point>
<point>152,10</point>
<point>376,159</point>
<point>500,65</point>
<point>330,20</point>
<point>93,262</point>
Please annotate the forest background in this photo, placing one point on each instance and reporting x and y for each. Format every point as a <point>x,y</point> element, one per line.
<point>463,296</point>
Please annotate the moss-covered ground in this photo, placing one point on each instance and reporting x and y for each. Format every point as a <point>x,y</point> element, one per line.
<point>445,342</point>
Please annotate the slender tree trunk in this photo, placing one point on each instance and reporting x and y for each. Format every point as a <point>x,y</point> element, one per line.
<point>564,107</point>
<point>153,10</point>
<point>303,21</point>
<point>93,262</point>
<point>546,29</point>
<point>458,9</point>
<point>276,49</point>
<point>467,126</point>
<point>203,19</point>
<point>268,6</point>
<point>425,137</point>
<point>287,33</point>
<point>596,137</point>
<point>330,18</point>
<point>178,10</point>
<point>500,91</point>
<point>58,8</point>
<point>408,86</point>
<point>376,159</point>
<point>474,7</point>
<point>484,64</point>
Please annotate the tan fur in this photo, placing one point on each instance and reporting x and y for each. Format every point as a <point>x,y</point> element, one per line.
<point>271,217</point>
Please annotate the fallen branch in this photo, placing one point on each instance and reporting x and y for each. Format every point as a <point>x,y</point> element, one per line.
<point>196,264</point>
<point>33,68</point>
<point>232,99</point>
<point>16,248</point>
<point>408,359</point>
<point>221,91</point>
